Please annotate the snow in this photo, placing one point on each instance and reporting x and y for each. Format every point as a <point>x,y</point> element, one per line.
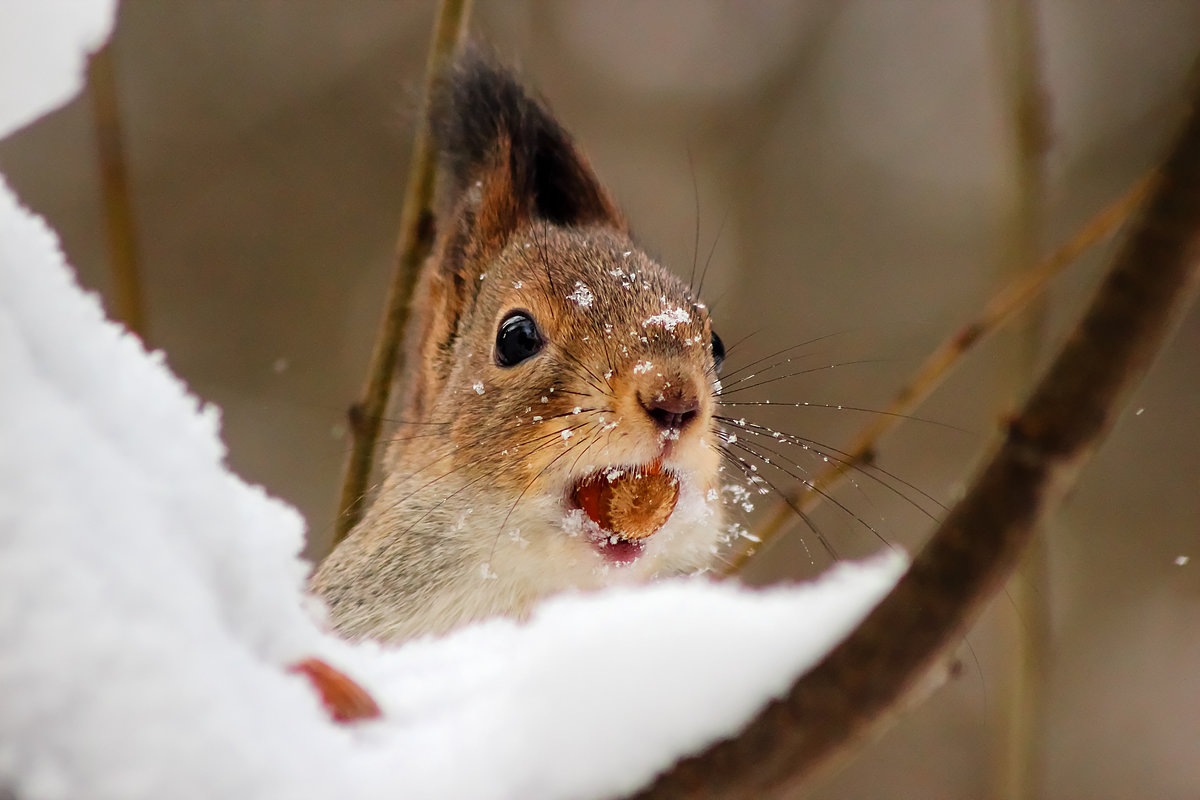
<point>42,60</point>
<point>151,601</point>
<point>582,294</point>
<point>669,318</point>
<point>597,685</point>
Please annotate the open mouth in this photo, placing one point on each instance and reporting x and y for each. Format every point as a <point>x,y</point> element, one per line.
<point>628,504</point>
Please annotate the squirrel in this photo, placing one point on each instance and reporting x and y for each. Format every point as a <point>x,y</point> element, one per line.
<point>557,426</point>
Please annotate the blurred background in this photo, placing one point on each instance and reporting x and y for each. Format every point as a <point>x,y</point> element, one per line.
<point>852,168</point>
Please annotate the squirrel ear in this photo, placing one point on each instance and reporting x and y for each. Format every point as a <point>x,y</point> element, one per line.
<point>489,131</point>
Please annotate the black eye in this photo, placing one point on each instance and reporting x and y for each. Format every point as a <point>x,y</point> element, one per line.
<point>517,339</point>
<point>718,350</point>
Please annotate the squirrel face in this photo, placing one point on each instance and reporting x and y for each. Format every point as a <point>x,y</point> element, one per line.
<point>598,369</point>
<point>557,431</point>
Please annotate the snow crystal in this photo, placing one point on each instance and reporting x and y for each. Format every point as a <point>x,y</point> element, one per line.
<point>1181,561</point>
<point>669,318</point>
<point>478,387</point>
<point>642,367</point>
<point>582,294</point>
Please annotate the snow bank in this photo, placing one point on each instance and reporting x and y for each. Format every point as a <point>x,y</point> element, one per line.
<point>43,53</point>
<point>150,601</point>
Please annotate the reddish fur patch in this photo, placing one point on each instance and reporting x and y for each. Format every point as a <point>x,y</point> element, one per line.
<point>344,699</point>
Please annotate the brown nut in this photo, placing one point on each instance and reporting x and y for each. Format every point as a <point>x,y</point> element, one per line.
<point>632,505</point>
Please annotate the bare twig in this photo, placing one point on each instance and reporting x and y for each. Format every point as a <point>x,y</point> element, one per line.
<point>114,183</point>
<point>416,238</point>
<point>864,680</point>
<point>999,310</point>
<point>1015,31</point>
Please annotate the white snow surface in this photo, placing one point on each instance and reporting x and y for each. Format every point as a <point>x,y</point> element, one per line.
<point>150,600</point>
<point>44,46</point>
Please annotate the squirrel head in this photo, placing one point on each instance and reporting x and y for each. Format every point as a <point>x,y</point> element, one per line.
<point>566,380</point>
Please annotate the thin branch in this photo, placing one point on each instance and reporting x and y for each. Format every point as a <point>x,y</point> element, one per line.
<point>416,239</point>
<point>114,184</point>
<point>999,310</point>
<point>1018,773</point>
<point>865,680</point>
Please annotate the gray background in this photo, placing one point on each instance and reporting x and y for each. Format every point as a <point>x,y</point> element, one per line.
<point>855,160</point>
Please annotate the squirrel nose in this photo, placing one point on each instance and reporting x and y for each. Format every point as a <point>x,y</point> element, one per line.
<point>672,408</point>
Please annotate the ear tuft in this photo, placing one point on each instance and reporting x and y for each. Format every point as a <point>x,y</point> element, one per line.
<point>482,120</point>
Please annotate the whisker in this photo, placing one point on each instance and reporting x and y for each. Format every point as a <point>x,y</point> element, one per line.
<point>777,353</point>
<point>545,261</point>
<point>826,495</point>
<point>498,432</point>
<point>753,476</point>
<point>840,457</point>
<point>725,391</point>
<point>712,250</point>
<point>441,502</point>
<point>596,378</point>
<point>814,488</point>
<point>543,440</point>
<point>394,421</point>
<point>528,486</point>
<point>609,363</point>
<point>536,439</point>
<point>730,348</point>
<point>841,407</point>
<point>591,441</point>
<point>696,232</point>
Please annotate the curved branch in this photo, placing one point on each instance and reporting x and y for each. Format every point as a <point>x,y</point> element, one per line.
<point>867,678</point>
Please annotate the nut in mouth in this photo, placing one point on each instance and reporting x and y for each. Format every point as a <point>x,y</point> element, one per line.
<point>631,503</point>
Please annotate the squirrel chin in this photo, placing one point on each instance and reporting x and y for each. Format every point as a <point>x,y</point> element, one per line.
<point>618,552</point>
